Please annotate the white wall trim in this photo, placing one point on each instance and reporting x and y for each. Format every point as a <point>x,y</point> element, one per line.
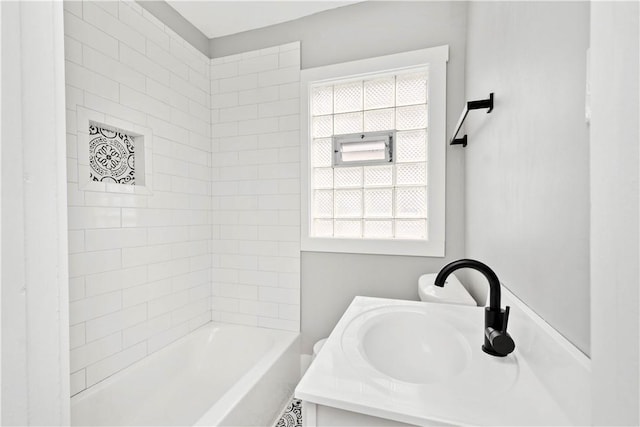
<point>436,58</point>
<point>35,303</point>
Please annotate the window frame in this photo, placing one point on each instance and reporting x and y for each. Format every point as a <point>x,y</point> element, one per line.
<point>435,59</point>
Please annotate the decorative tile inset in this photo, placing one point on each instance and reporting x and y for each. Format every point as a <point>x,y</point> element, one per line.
<point>111,156</point>
<point>292,416</point>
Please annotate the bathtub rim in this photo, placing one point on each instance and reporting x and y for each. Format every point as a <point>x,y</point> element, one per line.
<point>244,382</point>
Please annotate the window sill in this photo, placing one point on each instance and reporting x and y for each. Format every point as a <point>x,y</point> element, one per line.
<point>374,246</point>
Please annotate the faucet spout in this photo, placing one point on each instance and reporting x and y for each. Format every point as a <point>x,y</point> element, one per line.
<point>492,278</point>
<point>497,342</point>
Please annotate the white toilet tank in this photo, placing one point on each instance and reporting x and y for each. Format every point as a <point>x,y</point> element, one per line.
<point>452,293</point>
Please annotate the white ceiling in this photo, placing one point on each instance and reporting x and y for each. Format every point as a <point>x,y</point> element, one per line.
<point>219,18</point>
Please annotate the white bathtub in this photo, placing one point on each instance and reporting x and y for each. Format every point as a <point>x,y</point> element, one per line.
<point>218,375</point>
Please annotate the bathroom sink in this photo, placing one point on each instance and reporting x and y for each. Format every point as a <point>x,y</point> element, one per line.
<point>413,346</point>
<point>422,363</point>
<point>431,346</point>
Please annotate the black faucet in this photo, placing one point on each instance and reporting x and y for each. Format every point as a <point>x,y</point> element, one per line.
<point>497,342</point>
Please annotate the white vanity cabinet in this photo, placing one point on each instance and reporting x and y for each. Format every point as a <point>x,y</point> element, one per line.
<point>314,415</point>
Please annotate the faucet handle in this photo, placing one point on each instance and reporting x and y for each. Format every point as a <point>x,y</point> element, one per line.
<point>505,318</point>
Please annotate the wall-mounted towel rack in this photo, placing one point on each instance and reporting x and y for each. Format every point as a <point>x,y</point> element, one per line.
<point>471,105</point>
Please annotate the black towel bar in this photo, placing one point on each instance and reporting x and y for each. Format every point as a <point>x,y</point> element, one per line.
<point>471,105</point>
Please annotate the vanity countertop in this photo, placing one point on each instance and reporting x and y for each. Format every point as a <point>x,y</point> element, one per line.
<point>486,391</point>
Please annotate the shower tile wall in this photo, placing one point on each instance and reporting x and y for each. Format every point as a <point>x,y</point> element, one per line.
<point>140,265</point>
<point>256,187</point>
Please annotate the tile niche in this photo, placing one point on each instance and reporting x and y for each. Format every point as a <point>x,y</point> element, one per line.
<point>113,155</point>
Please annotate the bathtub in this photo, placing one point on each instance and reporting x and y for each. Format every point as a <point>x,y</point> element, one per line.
<point>218,375</point>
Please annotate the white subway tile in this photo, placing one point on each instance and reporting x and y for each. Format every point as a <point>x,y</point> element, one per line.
<point>163,270</point>
<point>113,238</point>
<point>290,46</point>
<point>108,23</point>
<point>232,114</point>
<point>224,70</point>
<point>144,330</point>
<point>167,130</point>
<point>199,80</point>
<point>142,102</point>
<point>289,311</point>
<point>258,126</point>
<point>141,294</point>
<point>279,295</point>
<point>104,368</point>
<point>89,81</point>
<point>114,322</point>
<point>167,60</point>
<point>132,217</point>
<point>164,338</point>
<point>72,50</point>
<point>289,91</point>
<point>289,58</point>
<point>184,119</point>
<point>239,319</point>
<point>77,378</point>
<point>190,90</point>
<point>111,68</point>
<point>199,111</point>
<point>110,281</point>
<point>85,355</point>
<point>279,108</point>
<point>258,63</point>
<point>289,280</point>
<point>87,34</point>
<point>76,241</point>
<point>282,324</point>
<point>259,95</point>
<point>90,308</point>
<point>138,61</point>
<point>229,290</point>
<point>189,311</point>
<point>279,76</point>
<point>258,308</point>
<point>231,84</point>
<point>112,108</point>
<point>145,255</point>
<point>258,278</point>
<point>73,6</point>
<point>148,25</point>
<point>93,262</point>
<point>73,98</point>
<point>287,123</point>
<point>166,94</point>
<point>76,336</point>
<point>279,139</point>
<point>76,288</point>
<point>167,303</point>
<point>161,235</point>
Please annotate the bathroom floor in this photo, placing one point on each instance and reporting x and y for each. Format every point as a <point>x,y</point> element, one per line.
<point>292,415</point>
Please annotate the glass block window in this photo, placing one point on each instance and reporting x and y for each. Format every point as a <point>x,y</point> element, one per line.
<point>387,200</point>
<point>111,156</point>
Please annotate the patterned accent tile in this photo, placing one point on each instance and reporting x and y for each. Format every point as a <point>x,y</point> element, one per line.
<point>111,156</point>
<point>292,415</point>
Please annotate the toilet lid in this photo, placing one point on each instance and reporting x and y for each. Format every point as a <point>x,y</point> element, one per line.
<point>452,293</point>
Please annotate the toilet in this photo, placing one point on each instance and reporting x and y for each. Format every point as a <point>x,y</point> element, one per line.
<point>452,293</point>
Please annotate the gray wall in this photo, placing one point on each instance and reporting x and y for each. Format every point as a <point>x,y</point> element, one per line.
<point>330,281</point>
<point>527,163</point>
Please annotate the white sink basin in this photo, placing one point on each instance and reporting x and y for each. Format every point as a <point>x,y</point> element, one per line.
<point>422,364</point>
<point>413,347</point>
<point>427,345</point>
